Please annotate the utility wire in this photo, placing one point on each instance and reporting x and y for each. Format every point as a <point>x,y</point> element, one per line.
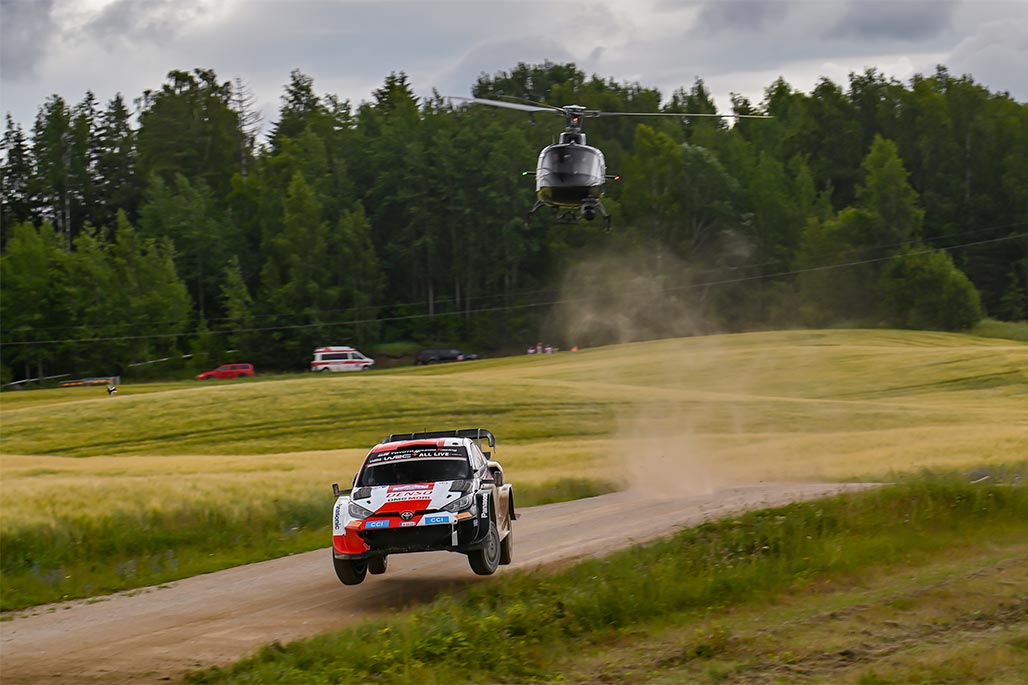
<point>531,305</point>
<point>528,293</point>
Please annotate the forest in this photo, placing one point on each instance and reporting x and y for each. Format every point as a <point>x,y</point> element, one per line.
<point>156,237</point>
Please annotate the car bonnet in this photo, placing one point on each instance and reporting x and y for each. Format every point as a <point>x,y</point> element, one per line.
<point>385,499</point>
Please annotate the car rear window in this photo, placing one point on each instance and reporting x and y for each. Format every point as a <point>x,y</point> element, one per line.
<point>415,464</point>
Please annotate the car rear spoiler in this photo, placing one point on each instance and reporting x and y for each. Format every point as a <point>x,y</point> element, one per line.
<point>473,433</point>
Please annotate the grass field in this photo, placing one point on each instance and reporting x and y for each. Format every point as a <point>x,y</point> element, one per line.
<point>103,493</point>
<point>924,581</point>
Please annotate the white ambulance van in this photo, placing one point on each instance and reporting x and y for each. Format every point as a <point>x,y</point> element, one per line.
<point>340,359</point>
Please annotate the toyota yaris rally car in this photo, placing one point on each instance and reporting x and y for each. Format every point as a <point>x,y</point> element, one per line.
<point>419,492</point>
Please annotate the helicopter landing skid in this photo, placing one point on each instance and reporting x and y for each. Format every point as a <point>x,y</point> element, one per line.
<point>569,215</point>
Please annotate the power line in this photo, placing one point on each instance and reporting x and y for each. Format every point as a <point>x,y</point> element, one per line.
<point>443,300</point>
<point>530,305</point>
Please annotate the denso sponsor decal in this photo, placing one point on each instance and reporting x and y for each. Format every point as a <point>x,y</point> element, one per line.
<point>431,520</point>
<point>384,523</point>
<point>407,524</point>
<point>405,496</point>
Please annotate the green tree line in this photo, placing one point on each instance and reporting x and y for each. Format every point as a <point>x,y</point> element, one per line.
<point>178,229</point>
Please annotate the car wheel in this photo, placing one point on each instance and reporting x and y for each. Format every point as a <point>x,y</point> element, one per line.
<point>325,369</point>
<point>507,547</point>
<point>350,571</point>
<point>484,561</point>
<point>378,565</point>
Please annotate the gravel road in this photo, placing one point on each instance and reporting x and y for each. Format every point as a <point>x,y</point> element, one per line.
<point>158,633</point>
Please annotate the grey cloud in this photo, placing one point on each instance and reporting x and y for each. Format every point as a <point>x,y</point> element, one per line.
<point>25,26</point>
<point>995,56</point>
<point>495,56</point>
<point>892,20</point>
<point>154,21</point>
<point>744,15</point>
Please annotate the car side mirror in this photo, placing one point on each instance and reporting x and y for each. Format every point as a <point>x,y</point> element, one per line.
<point>495,477</point>
<point>339,493</point>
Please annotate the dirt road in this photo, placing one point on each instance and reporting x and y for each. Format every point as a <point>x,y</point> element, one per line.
<point>159,633</point>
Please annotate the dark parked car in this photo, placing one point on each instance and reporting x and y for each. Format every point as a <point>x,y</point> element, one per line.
<point>448,354</point>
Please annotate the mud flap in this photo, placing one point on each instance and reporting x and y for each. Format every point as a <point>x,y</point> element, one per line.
<point>453,534</point>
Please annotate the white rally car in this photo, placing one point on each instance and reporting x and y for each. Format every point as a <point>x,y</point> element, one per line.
<point>419,492</point>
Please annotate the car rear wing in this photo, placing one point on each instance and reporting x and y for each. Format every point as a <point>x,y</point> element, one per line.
<point>473,433</point>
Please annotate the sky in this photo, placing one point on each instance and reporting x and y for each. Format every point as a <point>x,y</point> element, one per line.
<point>349,47</point>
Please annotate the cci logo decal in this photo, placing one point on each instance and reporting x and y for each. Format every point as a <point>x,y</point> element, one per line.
<point>407,515</point>
<point>377,524</point>
<point>429,520</point>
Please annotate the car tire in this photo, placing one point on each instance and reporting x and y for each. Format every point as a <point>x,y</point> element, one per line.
<point>484,561</point>
<point>325,369</point>
<point>378,565</point>
<point>350,571</point>
<point>507,547</point>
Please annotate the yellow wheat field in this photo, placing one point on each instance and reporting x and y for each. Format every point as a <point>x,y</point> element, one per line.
<point>674,415</point>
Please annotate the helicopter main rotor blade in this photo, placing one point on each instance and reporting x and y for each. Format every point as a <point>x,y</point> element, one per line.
<point>681,115</point>
<point>508,105</point>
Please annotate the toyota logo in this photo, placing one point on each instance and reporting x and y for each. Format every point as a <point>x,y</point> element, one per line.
<point>407,515</point>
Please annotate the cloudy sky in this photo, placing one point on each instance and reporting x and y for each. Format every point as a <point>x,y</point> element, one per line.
<point>108,46</point>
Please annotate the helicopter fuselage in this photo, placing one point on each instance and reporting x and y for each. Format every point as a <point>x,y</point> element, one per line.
<point>569,174</point>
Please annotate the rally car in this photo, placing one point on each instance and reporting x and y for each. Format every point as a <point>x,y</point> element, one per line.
<point>419,492</point>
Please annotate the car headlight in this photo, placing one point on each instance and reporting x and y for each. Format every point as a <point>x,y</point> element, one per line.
<point>356,511</point>
<point>459,504</point>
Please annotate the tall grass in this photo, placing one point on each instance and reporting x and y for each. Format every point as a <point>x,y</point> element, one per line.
<point>82,556</point>
<point>527,627</point>
<point>96,492</point>
<point>87,553</point>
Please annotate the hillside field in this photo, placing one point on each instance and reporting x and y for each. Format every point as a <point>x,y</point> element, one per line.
<point>102,493</point>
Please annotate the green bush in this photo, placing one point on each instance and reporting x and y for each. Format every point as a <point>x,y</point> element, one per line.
<point>926,291</point>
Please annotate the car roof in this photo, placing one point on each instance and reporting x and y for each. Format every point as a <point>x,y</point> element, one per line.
<point>436,442</point>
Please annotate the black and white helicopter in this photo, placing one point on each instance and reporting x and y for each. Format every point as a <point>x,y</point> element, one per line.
<point>570,175</point>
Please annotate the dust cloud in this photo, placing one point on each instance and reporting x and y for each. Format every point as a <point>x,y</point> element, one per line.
<point>663,442</point>
<point>618,298</point>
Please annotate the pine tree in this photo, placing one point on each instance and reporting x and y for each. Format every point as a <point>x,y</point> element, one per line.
<point>16,202</point>
<point>52,161</point>
<point>887,195</point>
<point>118,180</point>
<point>189,128</point>
<point>243,101</point>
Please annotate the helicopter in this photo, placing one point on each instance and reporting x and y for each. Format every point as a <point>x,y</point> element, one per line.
<point>570,175</point>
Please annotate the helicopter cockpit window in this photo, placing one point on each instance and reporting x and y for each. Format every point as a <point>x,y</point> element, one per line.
<point>572,160</point>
